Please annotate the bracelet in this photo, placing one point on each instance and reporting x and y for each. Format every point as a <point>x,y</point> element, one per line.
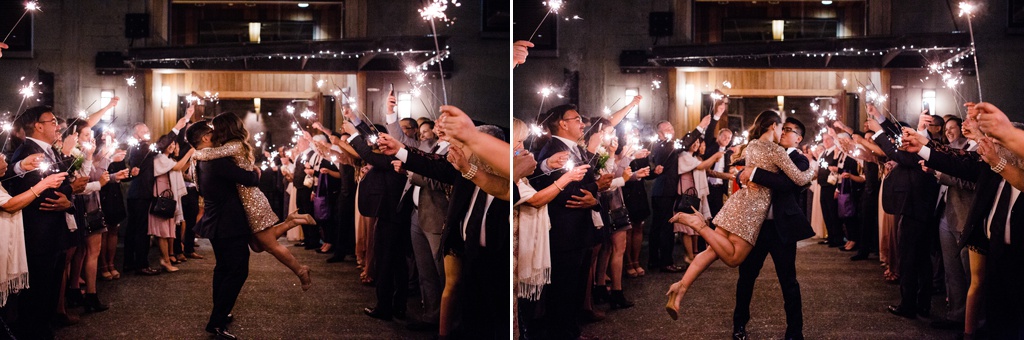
<point>1001,166</point>
<point>471,173</point>
<point>33,190</point>
<point>559,188</point>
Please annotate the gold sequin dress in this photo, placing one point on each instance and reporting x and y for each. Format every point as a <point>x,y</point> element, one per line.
<point>257,207</point>
<point>745,210</point>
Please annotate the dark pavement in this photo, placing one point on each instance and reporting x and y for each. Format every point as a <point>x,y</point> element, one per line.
<point>841,300</point>
<point>271,305</point>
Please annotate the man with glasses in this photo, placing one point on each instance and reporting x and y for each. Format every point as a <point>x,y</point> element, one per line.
<point>572,222</point>
<point>785,225</point>
<point>46,236</point>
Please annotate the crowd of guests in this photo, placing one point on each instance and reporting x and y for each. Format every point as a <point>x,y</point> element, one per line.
<point>935,202</point>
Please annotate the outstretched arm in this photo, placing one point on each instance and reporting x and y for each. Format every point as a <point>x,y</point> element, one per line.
<point>782,160</point>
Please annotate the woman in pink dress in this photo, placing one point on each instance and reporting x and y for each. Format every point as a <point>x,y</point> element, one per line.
<point>168,181</point>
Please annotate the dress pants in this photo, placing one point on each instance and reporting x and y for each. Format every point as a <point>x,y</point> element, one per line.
<point>229,275</point>
<point>310,233</point>
<point>563,298</point>
<point>716,195</point>
<point>830,213</point>
<point>136,235</point>
<point>661,234</point>
<point>189,208</point>
<point>484,294</point>
<point>38,304</point>
<point>391,244</point>
<point>957,270</point>
<point>868,213</point>
<point>784,257</point>
<point>1004,302</point>
<point>915,263</point>
<point>429,271</point>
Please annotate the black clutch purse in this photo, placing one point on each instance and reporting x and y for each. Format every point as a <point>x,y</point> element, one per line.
<point>687,202</point>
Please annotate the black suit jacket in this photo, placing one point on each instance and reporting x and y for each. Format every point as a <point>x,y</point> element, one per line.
<point>223,213</point>
<point>830,159</point>
<point>436,167</point>
<point>380,191</point>
<point>790,221</point>
<point>666,155</point>
<point>908,190</point>
<point>45,231</point>
<point>570,227</point>
<point>141,186</point>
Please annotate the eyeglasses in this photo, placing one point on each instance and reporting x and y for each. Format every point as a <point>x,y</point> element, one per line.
<point>54,121</point>
<point>788,129</point>
<point>577,118</point>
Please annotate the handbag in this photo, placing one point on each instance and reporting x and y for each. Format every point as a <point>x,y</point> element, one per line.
<point>847,206</point>
<point>687,202</point>
<point>163,205</point>
<point>321,201</point>
<point>94,221</point>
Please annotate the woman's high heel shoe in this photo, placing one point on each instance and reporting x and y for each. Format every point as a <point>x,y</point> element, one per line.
<point>618,301</point>
<point>695,220</point>
<point>670,307</point>
<point>92,304</point>
<point>168,267</point>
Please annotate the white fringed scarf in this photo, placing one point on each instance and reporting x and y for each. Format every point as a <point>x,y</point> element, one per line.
<point>533,262</point>
<point>13,261</point>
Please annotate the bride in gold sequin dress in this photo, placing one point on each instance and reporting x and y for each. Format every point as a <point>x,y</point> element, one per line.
<point>739,221</point>
<point>229,134</point>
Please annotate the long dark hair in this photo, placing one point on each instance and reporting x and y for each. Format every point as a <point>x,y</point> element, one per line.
<point>228,127</point>
<point>763,123</point>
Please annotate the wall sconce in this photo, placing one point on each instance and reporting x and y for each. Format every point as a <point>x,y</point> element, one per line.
<point>928,101</point>
<point>404,105</point>
<point>165,96</point>
<point>690,94</point>
<point>630,93</point>
<point>778,27</point>
<point>254,32</point>
<point>781,101</point>
<point>105,97</point>
<point>256,102</point>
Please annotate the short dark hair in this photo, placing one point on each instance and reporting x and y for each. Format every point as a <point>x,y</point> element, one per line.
<point>959,122</point>
<point>164,142</point>
<point>28,119</point>
<point>799,125</point>
<point>414,123</point>
<point>937,119</point>
<point>554,115</point>
<point>428,122</point>
<point>194,134</point>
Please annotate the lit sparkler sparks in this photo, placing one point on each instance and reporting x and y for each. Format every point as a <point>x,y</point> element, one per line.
<point>152,147</point>
<point>44,166</point>
<point>320,83</point>
<point>727,84</point>
<point>307,114</point>
<point>569,165</point>
<point>290,109</point>
<point>968,9</point>
<point>133,142</point>
<point>130,81</point>
<point>655,84</point>
<point>30,6</point>
<point>7,127</point>
<point>435,9</point>
<point>536,130</point>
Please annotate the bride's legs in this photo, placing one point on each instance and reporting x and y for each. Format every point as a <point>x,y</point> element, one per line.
<point>267,240</point>
<point>700,263</point>
<point>731,249</point>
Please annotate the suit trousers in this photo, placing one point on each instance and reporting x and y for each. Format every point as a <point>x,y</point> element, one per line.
<point>830,213</point>
<point>391,244</point>
<point>229,275</point>
<point>38,304</point>
<point>784,257</point>
<point>190,209</point>
<point>136,235</point>
<point>913,240</point>
<point>563,298</point>
<point>484,294</point>
<point>310,233</point>
<point>716,197</point>
<point>431,275</point>
<point>957,270</point>
<point>661,235</point>
<point>1004,304</point>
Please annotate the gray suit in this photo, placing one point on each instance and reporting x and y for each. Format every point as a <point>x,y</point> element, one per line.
<point>959,199</point>
<point>425,229</point>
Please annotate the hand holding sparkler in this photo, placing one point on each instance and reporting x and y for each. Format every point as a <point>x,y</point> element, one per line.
<point>4,46</point>
<point>50,182</point>
<point>456,124</point>
<point>523,164</point>
<point>912,140</point>
<point>388,145</point>
<point>398,165</point>
<point>458,159</point>
<point>559,160</point>
<point>520,52</point>
<point>32,162</point>
<point>993,122</point>
<point>873,124</point>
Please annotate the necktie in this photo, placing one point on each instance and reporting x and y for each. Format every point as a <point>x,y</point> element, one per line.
<point>435,148</point>
<point>997,226</point>
<point>476,217</point>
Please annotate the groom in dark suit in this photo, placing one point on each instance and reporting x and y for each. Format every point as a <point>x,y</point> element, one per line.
<point>224,222</point>
<point>784,226</point>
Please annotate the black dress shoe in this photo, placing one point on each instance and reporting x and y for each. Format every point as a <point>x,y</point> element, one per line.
<point>859,257</point>
<point>900,311</point>
<point>147,271</point>
<point>230,318</point>
<point>221,333</point>
<point>300,244</point>
<point>739,333</point>
<point>373,313</point>
<point>399,314</point>
<point>671,269</point>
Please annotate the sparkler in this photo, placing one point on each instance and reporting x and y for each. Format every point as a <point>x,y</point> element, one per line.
<point>435,10</point>
<point>553,7</point>
<point>968,9</point>
<point>30,6</point>
<point>569,165</point>
<point>727,84</point>
<point>130,81</point>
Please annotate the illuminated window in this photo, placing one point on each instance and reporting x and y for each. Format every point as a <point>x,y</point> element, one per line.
<point>404,105</point>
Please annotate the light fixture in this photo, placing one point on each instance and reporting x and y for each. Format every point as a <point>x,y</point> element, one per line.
<point>165,96</point>
<point>781,101</point>
<point>778,27</point>
<point>256,102</point>
<point>304,5</point>
<point>928,101</point>
<point>826,2</point>
<point>630,93</point>
<point>254,32</point>
<point>105,97</point>
<point>404,105</point>
<point>690,94</point>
